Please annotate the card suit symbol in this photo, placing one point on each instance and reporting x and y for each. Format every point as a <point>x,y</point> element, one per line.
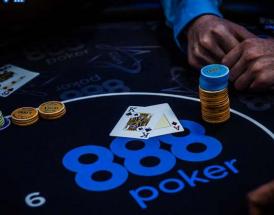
<point>140,128</point>
<point>148,129</point>
<point>136,114</point>
<point>174,123</point>
<point>129,114</point>
<point>5,93</point>
<point>144,135</point>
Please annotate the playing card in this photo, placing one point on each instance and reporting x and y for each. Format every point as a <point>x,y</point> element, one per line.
<point>168,122</point>
<point>136,122</point>
<point>12,78</point>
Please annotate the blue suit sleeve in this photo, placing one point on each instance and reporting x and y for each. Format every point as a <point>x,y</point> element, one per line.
<point>179,13</point>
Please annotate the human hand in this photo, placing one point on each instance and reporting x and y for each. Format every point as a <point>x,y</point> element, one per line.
<point>210,38</point>
<point>261,201</point>
<point>251,64</point>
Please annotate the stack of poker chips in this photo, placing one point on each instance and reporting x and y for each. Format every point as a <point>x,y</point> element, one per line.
<point>24,116</point>
<point>2,120</point>
<point>52,110</point>
<point>213,93</point>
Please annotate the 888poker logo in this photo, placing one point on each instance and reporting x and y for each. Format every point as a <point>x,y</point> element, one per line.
<point>133,163</point>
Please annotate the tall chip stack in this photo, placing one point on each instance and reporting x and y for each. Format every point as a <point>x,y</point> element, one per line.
<point>213,92</point>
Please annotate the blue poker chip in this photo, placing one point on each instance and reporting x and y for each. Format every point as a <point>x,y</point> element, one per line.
<point>214,77</point>
<point>6,124</point>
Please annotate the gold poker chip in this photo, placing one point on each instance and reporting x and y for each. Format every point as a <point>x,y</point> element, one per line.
<point>24,116</point>
<point>215,105</point>
<point>27,123</point>
<point>24,113</point>
<point>27,116</point>
<point>52,110</point>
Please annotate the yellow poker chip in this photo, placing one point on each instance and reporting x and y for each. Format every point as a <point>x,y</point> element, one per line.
<point>54,117</point>
<point>215,105</point>
<point>24,121</point>
<point>51,108</point>
<point>24,114</point>
<point>26,124</point>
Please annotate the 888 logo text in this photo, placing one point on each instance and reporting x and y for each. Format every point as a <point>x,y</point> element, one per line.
<point>134,163</point>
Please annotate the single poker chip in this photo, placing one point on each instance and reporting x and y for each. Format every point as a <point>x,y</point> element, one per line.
<point>214,77</point>
<point>52,110</point>
<point>24,116</point>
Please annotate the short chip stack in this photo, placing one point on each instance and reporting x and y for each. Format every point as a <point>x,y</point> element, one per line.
<point>214,94</point>
<point>52,110</point>
<point>24,116</point>
<point>2,120</point>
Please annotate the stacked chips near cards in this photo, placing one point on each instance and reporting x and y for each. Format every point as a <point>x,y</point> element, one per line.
<point>24,116</point>
<point>2,120</point>
<point>214,94</point>
<point>52,110</point>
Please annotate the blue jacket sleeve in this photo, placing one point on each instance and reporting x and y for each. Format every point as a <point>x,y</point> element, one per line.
<point>179,13</point>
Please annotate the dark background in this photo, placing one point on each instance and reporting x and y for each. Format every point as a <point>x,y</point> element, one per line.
<point>134,46</point>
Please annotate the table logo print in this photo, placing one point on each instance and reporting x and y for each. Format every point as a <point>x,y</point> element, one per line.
<point>133,165</point>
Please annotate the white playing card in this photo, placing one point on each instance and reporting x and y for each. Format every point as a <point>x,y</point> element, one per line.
<point>168,123</point>
<point>136,122</point>
<point>12,78</point>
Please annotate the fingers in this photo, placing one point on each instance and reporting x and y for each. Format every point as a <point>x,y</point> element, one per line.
<point>218,52</point>
<point>244,81</point>
<point>194,62</point>
<point>232,57</point>
<point>210,44</point>
<point>261,199</point>
<point>199,56</point>
<point>242,33</point>
<point>264,81</point>
<point>258,76</point>
<point>226,39</point>
<point>238,69</point>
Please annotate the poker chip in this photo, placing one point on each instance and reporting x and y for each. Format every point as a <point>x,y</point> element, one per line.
<point>52,110</point>
<point>24,116</point>
<point>2,120</point>
<point>213,93</point>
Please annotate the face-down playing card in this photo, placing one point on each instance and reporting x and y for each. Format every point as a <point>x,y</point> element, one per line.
<point>145,122</point>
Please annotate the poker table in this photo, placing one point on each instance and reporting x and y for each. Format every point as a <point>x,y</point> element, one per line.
<point>72,165</point>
